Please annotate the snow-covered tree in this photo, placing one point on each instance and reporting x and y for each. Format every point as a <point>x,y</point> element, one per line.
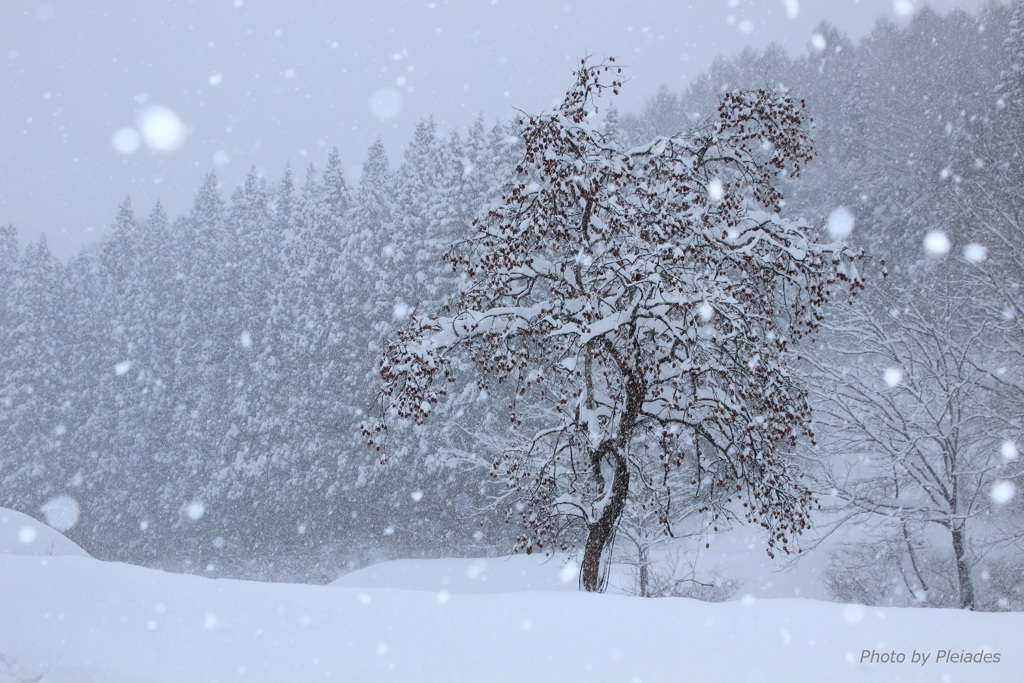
<point>9,262</point>
<point>916,446</point>
<point>988,215</point>
<point>37,371</point>
<point>648,300</point>
<point>1011,78</point>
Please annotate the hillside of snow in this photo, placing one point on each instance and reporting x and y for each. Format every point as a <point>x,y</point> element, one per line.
<point>70,618</point>
<point>22,535</point>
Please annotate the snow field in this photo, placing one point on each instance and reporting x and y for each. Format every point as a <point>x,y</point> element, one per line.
<point>75,619</point>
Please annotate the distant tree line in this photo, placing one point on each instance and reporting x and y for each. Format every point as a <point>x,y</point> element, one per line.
<point>226,357</point>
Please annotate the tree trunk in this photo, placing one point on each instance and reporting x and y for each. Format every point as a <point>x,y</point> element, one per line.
<point>644,573</point>
<point>601,532</point>
<point>963,573</point>
<point>913,563</point>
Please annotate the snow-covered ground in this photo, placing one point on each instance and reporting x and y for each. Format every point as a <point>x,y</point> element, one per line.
<point>68,617</point>
<point>23,535</point>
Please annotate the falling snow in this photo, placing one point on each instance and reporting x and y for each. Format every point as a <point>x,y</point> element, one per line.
<point>386,103</point>
<point>893,377</point>
<point>854,614</point>
<point>161,128</point>
<point>61,512</point>
<point>975,253</point>
<point>126,140</point>
<point>1008,450</point>
<point>716,190</point>
<point>936,243</point>
<point>1003,492</point>
<point>840,223</point>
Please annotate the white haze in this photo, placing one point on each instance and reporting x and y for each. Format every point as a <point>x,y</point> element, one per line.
<point>117,98</point>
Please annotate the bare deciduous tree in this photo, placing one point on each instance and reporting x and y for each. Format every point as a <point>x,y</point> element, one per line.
<point>911,439</point>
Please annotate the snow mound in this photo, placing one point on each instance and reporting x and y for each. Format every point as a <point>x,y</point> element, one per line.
<point>22,535</point>
<point>462,576</point>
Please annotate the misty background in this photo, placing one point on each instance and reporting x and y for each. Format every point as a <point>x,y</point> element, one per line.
<point>240,207</point>
<point>256,86</point>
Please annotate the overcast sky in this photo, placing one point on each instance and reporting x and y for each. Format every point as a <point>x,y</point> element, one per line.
<point>103,99</point>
